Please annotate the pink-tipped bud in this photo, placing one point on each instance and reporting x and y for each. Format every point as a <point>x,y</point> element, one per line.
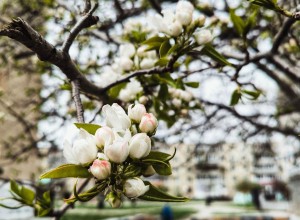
<point>101,169</point>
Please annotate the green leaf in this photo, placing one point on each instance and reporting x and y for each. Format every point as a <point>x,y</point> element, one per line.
<point>162,62</point>
<point>238,23</point>
<point>27,195</point>
<point>155,194</point>
<point>235,97</point>
<point>91,128</point>
<point>163,93</point>
<point>114,91</point>
<point>192,84</point>
<point>164,48</point>
<point>157,155</point>
<point>173,49</point>
<point>162,168</point>
<point>208,50</point>
<point>155,39</point>
<point>15,188</point>
<point>67,170</point>
<point>253,95</point>
<point>167,78</point>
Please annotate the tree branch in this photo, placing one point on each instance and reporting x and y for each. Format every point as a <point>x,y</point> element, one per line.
<point>77,101</point>
<point>86,21</point>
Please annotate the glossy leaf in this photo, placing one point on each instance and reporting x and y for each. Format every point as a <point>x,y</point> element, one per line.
<point>155,194</point>
<point>114,91</point>
<point>253,95</point>
<point>238,23</point>
<point>235,97</point>
<point>164,48</point>
<point>27,195</point>
<point>155,39</point>
<point>208,50</point>
<point>192,84</point>
<point>67,170</point>
<point>91,128</point>
<point>163,93</point>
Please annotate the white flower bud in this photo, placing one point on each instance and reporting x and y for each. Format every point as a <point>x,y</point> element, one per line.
<point>184,6</point>
<point>136,112</point>
<point>139,146</point>
<point>143,100</point>
<point>149,171</point>
<point>176,102</point>
<point>147,63</point>
<point>83,150</point>
<point>113,200</point>
<point>104,136</point>
<point>130,91</point>
<point>135,187</point>
<point>148,123</point>
<point>101,169</point>
<point>186,96</point>
<point>118,151</point>
<point>127,50</point>
<point>175,29</point>
<point>116,117</point>
<point>126,63</point>
<point>203,37</point>
<point>200,20</point>
<point>102,156</point>
<point>184,17</point>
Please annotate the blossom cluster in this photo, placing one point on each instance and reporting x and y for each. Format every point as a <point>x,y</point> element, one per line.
<point>135,55</point>
<point>109,152</point>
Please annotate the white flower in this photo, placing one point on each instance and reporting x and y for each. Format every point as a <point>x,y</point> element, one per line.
<point>130,91</point>
<point>184,18</point>
<point>147,63</point>
<point>136,112</point>
<point>175,28</point>
<point>101,169</point>
<point>127,50</point>
<point>83,150</point>
<point>148,123</point>
<point>186,96</point>
<point>176,102</point>
<point>116,117</point>
<point>143,100</point>
<point>118,151</point>
<point>200,20</point>
<point>184,6</point>
<point>104,136</point>
<point>139,146</point>
<point>141,52</point>
<point>135,187</point>
<point>108,77</point>
<point>203,37</point>
<point>126,63</point>
<point>102,156</point>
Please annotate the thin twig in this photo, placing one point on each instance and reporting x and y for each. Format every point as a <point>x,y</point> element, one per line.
<point>86,21</point>
<point>77,100</point>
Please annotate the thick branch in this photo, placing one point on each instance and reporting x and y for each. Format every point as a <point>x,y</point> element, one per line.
<point>22,32</point>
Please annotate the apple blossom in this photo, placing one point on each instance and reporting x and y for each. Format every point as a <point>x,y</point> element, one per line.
<point>104,136</point>
<point>147,63</point>
<point>126,63</point>
<point>203,37</point>
<point>116,117</point>
<point>184,6</point>
<point>130,91</point>
<point>184,17</point>
<point>83,150</point>
<point>102,156</point>
<point>139,146</point>
<point>148,123</point>
<point>118,151</point>
<point>175,28</point>
<point>177,102</point>
<point>143,100</point>
<point>135,187</point>
<point>127,50</point>
<point>186,95</point>
<point>136,112</point>
<point>101,169</point>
